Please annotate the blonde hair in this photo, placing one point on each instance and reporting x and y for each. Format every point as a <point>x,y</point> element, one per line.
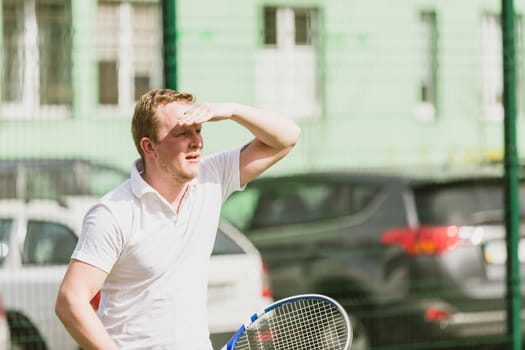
<point>145,120</point>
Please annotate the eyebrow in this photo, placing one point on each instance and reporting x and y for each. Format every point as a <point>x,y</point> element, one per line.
<point>184,128</point>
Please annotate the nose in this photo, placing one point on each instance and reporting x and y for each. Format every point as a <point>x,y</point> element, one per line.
<point>196,140</point>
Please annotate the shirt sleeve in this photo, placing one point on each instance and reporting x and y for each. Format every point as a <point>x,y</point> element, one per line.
<point>226,167</point>
<point>101,239</point>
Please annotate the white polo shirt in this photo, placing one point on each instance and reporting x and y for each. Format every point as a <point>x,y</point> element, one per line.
<point>155,295</point>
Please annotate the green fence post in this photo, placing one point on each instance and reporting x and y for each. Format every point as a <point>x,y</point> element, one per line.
<point>169,28</point>
<point>511,178</point>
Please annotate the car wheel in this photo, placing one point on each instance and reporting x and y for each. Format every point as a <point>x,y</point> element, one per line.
<point>24,336</point>
<point>361,340</point>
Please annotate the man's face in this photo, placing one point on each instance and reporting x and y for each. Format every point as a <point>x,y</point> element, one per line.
<point>179,147</point>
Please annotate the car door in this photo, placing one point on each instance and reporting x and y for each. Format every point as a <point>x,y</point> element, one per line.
<point>315,228</point>
<point>41,244</point>
<point>294,223</point>
<point>237,283</point>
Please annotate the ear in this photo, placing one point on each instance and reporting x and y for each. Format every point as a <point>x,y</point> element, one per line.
<point>147,147</point>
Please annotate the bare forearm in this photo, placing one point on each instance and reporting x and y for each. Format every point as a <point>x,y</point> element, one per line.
<point>272,130</point>
<point>83,325</point>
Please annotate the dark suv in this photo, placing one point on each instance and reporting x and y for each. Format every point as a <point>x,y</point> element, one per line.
<point>417,259</point>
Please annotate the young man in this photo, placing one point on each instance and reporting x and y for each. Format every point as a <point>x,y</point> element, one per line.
<point>146,244</point>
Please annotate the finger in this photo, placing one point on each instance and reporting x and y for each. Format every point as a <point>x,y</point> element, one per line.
<point>198,114</point>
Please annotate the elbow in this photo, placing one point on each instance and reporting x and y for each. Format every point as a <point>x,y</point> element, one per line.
<point>60,309</point>
<point>63,307</point>
<point>295,133</point>
<point>290,139</point>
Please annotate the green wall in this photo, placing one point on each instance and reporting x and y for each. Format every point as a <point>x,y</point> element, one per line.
<point>369,86</point>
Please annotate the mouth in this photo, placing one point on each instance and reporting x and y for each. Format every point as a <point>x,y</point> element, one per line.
<point>194,157</point>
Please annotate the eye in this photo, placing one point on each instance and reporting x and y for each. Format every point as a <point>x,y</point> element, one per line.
<point>181,133</point>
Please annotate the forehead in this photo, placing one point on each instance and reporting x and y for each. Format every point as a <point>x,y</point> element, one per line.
<point>172,111</point>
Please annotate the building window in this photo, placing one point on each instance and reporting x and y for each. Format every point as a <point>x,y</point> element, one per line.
<point>270,26</point>
<point>426,109</point>
<point>492,51</point>
<point>287,67</point>
<point>304,20</point>
<point>128,52</point>
<point>36,58</point>
<point>492,68</point>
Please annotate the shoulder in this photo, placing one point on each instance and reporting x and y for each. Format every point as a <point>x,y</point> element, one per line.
<point>221,162</point>
<point>223,171</point>
<point>120,197</point>
<point>114,206</point>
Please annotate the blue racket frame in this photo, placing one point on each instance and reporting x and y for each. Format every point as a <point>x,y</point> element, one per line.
<point>233,340</point>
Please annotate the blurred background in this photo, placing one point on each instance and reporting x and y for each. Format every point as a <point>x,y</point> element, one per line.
<point>398,167</point>
<point>371,83</point>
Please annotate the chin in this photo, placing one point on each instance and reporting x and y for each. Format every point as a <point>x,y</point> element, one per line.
<point>192,173</point>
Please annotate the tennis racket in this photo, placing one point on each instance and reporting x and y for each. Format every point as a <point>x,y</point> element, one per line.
<point>301,322</point>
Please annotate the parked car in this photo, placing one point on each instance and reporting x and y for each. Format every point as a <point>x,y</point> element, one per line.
<point>417,258</point>
<point>238,283</point>
<point>54,178</point>
<point>37,238</point>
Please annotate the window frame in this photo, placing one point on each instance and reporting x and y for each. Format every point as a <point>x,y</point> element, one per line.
<point>297,98</point>
<point>30,105</point>
<point>125,58</point>
<point>426,108</point>
<point>492,66</point>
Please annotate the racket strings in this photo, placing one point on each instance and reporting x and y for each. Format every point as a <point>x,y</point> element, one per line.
<point>317,327</point>
<point>311,324</point>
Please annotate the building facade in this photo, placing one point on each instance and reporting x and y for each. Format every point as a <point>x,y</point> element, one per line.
<point>372,83</point>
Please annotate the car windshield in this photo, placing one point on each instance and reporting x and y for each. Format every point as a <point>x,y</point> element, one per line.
<point>463,203</point>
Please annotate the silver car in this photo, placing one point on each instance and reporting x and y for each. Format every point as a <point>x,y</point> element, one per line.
<point>37,238</point>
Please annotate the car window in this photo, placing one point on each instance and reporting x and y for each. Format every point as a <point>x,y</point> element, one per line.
<point>48,243</point>
<point>52,183</point>
<point>239,209</point>
<point>54,179</point>
<point>225,245</point>
<point>465,203</point>
<point>102,180</point>
<point>297,202</point>
<point>279,208</point>
<point>8,185</point>
<point>5,233</point>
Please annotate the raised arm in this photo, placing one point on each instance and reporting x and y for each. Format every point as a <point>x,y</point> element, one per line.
<point>274,136</point>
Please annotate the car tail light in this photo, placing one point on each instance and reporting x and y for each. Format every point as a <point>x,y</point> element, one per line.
<point>425,240</point>
<point>264,336</point>
<point>266,288</point>
<point>435,314</point>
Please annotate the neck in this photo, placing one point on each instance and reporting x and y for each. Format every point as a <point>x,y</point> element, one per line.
<point>173,190</point>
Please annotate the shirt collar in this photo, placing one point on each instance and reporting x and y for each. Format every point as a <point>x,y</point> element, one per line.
<point>139,186</point>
